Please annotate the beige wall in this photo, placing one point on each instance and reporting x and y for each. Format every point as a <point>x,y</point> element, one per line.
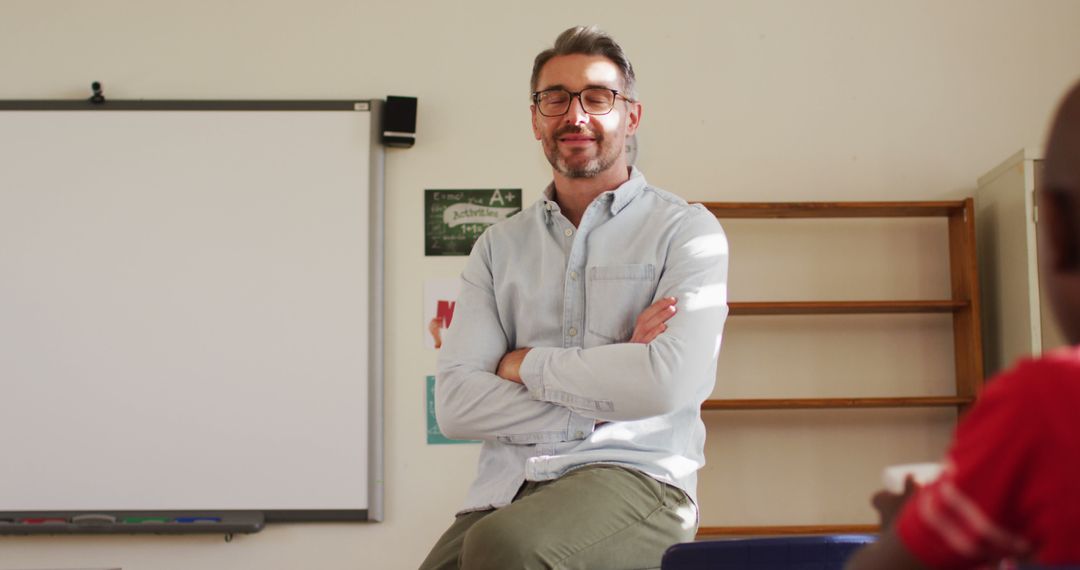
<point>750,100</point>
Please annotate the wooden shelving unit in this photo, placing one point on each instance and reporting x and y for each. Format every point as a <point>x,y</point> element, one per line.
<point>963,305</point>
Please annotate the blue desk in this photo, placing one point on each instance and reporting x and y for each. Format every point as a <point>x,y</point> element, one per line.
<point>787,553</point>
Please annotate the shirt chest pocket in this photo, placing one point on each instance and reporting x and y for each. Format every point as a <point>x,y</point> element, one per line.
<point>615,296</point>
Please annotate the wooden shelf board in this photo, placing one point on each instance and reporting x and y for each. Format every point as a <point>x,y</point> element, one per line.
<point>843,307</point>
<point>836,403</point>
<point>834,209</point>
<point>712,531</point>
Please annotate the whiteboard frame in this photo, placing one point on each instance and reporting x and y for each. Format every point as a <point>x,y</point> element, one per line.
<point>376,184</point>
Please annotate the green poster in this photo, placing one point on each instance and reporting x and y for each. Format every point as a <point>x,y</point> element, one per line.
<point>453,219</point>
<point>434,434</point>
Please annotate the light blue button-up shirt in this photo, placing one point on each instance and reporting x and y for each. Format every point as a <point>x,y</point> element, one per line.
<point>573,295</point>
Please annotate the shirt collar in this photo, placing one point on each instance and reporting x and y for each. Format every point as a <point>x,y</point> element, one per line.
<point>619,197</point>
<point>629,190</point>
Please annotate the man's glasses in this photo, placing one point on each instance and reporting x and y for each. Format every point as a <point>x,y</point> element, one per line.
<point>594,100</point>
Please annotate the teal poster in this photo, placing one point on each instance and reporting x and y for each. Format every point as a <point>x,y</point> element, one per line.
<point>453,219</point>
<point>434,434</point>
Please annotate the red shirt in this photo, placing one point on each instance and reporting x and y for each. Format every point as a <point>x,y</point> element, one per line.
<point>1011,486</point>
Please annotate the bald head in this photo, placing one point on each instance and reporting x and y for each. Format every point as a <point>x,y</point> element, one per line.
<point>1059,216</point>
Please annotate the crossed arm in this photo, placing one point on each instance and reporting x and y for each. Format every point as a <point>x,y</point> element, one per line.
<point>490,390</point>
<point>649,324</point>
<point>519,418</point>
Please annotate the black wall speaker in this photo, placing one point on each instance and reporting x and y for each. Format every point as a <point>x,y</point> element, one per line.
<point>399,122</point>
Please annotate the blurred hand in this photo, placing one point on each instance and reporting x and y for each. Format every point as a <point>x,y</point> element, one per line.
<point>651,322</point>
<point>435,328</point>
<point>889,504</point>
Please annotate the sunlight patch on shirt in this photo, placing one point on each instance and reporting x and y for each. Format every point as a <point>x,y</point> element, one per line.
<point>712,245</point>
<point>678,466</point>
<point>706,297</point>
<point>629,431</point>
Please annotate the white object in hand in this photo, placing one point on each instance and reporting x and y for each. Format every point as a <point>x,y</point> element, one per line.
<point>923,473</point>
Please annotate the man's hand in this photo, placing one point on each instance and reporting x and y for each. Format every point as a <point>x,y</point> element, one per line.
<point>651,321</point>
<point>510,365</point>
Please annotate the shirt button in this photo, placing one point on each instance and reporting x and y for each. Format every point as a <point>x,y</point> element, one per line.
<point>572,331</point>
<point>573,275</point>
<point>569,232</point>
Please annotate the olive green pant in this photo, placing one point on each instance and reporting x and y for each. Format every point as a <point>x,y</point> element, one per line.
<point>600,517</point>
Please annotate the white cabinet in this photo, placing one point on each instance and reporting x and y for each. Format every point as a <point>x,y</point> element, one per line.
<point>1016,318</point>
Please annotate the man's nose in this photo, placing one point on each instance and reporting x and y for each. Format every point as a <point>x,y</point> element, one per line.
<point>576,114</point>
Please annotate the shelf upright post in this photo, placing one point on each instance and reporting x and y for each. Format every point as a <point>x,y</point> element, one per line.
<point>967,327</point>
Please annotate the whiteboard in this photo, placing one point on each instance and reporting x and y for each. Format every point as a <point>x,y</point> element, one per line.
<point>190,308</point>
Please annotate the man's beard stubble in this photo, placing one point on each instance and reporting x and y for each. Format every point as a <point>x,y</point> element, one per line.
<point>606,156</point>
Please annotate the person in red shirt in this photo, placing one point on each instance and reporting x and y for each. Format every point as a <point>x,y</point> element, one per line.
<point>1010,490</point>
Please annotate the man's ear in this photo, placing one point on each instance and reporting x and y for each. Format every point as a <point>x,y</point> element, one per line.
<point>633,117</point>
<point>1058,218</point>
<point>535,118</point>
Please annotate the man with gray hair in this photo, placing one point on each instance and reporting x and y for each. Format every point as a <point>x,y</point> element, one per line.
<point>583,344</point>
